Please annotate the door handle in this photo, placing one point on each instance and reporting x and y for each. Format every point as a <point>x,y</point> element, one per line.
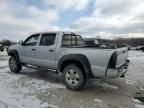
<point>33,49</point>
<point>51,50</point>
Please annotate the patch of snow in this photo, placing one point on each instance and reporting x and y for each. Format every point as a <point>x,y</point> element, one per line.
<point>53,95</point>
<point>3,64</point>
<point>18,100</point>
<point>81,106</point>
<point>3,53</point>
<point>19,91</point>
<point>108,86</point>
<point>4,70</point>
<point>44,105</point>
<point>11,96</point>
<point>137,103</point>
<point>47,105</point>
<point>136,55</point>
<point>53,106</point>
<point>4,59</point>
<point>139,106</point>
<point>41,84</point>
<point>24,90</point>
<point>131,82</point>
<point>98,101</point>
<point>142,88</point>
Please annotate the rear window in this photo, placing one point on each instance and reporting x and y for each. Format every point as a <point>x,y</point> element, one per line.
<point>72,40</point>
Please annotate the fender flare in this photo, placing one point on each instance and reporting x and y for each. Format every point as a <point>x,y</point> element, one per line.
<point>82,59</point>
<point>13,52</point>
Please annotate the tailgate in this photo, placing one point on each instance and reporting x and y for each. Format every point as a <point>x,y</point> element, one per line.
<point>122,54</point>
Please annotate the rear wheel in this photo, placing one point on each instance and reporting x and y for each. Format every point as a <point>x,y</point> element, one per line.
<point>14,65</point>
<point>73,77</point>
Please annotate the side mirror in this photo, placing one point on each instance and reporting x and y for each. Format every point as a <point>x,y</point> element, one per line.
<point>21,42</point>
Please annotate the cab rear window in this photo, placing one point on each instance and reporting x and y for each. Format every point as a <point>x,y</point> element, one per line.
<point>72,40</point>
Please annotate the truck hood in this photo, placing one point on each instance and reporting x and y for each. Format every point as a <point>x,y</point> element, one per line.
<point>14,46</point>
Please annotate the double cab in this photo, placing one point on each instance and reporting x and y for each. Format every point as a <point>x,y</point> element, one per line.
<point>66,53</point>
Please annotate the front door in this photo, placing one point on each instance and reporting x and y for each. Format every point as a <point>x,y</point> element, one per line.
<point>28,50</point>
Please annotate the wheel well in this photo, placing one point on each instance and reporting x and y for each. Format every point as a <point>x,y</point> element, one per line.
<point>12,54</point>
<point>77,63</point>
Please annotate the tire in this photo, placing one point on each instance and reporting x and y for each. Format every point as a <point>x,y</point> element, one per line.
<point>14,65</point>
<point>73,77</point>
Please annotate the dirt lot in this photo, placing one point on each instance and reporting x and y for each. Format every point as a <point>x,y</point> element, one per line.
<point>39,89</point>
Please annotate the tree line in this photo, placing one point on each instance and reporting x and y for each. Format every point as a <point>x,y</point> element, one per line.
<point>123,41</point>
<point>6,42</point>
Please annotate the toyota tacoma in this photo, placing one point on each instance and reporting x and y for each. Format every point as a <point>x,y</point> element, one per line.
<point>66,53</point>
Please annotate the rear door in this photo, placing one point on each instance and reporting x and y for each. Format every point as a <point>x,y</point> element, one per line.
<point>28,50</point>
<point>46,52</point>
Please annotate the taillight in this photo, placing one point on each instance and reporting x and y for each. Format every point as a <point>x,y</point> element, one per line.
<point>113,60</point>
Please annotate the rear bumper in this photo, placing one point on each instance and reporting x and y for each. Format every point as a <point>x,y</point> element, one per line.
<point>118,72</point>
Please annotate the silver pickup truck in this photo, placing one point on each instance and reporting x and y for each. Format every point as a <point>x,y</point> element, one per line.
<point>66,53</point>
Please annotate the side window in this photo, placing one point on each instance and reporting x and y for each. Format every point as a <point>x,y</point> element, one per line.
<point>72,40</point>
<point>66,41</point>
<point>79,40</point>
<point>47,39</point>
<point>32,40</point>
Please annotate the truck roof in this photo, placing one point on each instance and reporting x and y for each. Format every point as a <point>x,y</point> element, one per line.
<point>64,32</point>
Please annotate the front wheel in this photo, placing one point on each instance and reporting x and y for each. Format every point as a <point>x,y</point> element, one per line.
<point>73,77</point>
<point>14,65</point>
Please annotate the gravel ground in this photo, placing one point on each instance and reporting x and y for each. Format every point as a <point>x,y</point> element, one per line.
<point>39,89</point>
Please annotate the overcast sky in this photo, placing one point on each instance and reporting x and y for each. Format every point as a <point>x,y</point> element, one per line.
<point>106,18</point>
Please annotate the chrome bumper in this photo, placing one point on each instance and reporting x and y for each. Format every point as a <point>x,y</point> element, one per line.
<point>118,72</point>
